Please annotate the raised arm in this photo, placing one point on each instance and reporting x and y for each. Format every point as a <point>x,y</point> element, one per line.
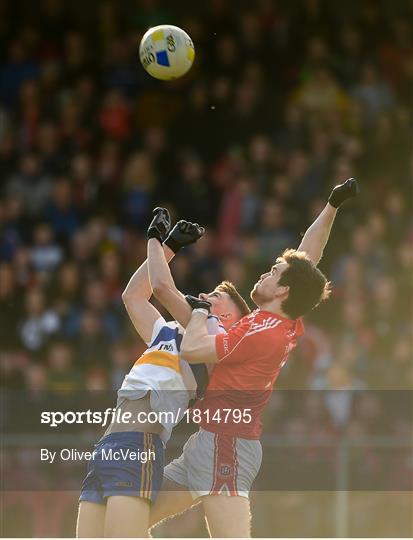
<point>139,285</point>
<point>163,285</point>
<point>316,237</point>
<point>138,290</point>
<point>136,299</point>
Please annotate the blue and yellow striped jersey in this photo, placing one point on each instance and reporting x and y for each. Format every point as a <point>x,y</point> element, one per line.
<point>162,372</point>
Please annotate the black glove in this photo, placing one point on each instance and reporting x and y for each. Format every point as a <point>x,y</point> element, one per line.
<point>343,192</point>
<point>160,224</point>
<point>197,303</point>
<point>183,234</point>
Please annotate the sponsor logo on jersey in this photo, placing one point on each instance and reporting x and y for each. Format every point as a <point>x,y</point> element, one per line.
<point>225,343</point>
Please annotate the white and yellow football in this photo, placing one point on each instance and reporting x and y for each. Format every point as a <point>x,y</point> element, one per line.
<point>166,52</point>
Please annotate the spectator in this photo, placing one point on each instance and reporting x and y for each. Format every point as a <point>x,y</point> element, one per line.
<point>374,94</point>
<point>17,69</point>
<point>321,94</point>
<point>62,375</point>
<point>47,143</point>
<point>30,184</point>
<point>92,345</point>
<point>139,180</point>
<point>61,211</point>
<point>96,299</point>
<point>274,236</point>
<point>114,116</point>
<point>121,361</point>
<point>45,255</point>
<point>39,322</point>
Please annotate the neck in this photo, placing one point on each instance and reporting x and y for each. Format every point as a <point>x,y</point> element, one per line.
<point>273,307</point>
<point>227,324</point>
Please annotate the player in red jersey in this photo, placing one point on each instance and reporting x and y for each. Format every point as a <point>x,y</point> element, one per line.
<point>221,460</point>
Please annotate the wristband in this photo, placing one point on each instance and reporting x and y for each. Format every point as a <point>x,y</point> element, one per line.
<point>153,233</point>
<point>201,310</point>
<point>172,244</point>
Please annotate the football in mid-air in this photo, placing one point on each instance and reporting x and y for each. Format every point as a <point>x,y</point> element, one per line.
<point>166,52</point>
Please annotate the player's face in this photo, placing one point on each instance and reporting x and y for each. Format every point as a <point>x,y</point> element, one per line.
<point>222,306</point>
<point>267,287</point>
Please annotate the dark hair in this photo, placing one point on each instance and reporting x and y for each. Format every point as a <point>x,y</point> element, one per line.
<point>230,289</point>
<point>308,285</point>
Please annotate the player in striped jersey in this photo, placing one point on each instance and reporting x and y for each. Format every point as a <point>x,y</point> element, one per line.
<point>219,462</point>
<point>115,494</point>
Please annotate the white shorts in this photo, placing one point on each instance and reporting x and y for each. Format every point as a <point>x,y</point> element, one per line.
<point>215,463</point>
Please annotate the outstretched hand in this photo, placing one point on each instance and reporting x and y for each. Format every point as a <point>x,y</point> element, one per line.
<point>342,192</point>
<point>160,224</point>
<point>183,234</point>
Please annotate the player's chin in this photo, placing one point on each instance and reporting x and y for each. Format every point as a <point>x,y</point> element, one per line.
<point>254,294</point>
<point>257,295</point>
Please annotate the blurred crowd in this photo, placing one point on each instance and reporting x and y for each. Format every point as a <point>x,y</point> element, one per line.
<point>285,100</point>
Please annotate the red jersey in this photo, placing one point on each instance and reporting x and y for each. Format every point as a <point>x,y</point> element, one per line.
<point>251,355</point>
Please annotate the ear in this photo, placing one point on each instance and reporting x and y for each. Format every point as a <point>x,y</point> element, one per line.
<point>283,291</point>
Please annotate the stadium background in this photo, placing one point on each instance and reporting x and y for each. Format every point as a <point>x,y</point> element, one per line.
<point>285,100</point>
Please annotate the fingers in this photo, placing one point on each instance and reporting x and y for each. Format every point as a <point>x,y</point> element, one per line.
<point>197,231</point>
<point>353,186</point>
<point>196,228</point>
<point>191,228</point>
<point>184,225</point>
<point>159,211</point>
<point>351,182</point>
